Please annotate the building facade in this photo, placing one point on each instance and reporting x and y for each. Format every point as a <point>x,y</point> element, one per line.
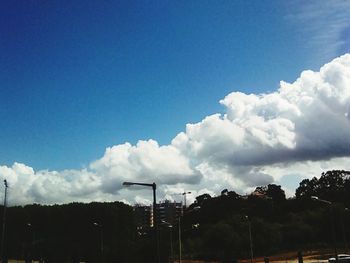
<point>167,211</point>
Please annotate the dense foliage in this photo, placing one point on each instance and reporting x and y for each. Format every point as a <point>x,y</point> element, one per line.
<point>277,223</point>
<point>213,228</point>
<point>71,232</point>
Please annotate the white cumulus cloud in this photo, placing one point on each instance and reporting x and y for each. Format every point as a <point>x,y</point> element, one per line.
<point>298,131</point>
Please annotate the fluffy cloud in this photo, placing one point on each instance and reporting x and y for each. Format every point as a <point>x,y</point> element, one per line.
<point>297,131</point>
<point>147,161</point>
<point>28,186</point>
<point>305,120</point>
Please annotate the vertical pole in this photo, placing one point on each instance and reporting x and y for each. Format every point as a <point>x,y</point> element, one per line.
<point>332,218</point>
<point>343,230</point>
<point>180,245</point>
<point>101,233</point>
<point>4,224</point>
<point>171,245</point>
<point>250,241</point>
<point>99,227</point>
<point>30,242</point>
<point>154,187</point>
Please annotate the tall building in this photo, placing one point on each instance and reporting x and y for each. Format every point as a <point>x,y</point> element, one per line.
<point>168,211</point>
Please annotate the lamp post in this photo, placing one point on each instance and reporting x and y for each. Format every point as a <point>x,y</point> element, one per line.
<point>180,243</point>
<point>155,223</point>
<point>332,218</point>
<point>170,226</point>
<point>4,224</point>
<point>196,208</point>
<point>30,243</point>
<point>101,238</point>
<point>321,200</point>
<point>250,239</point>
<point>343,228</point>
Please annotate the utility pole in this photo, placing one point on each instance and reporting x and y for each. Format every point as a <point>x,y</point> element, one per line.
<point>3,260</point>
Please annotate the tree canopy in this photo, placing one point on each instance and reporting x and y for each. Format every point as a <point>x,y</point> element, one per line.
<point>217,230</point>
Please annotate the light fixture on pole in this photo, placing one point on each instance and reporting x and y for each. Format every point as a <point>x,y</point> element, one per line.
<point>180,243</point>
<point>30,242</point>
<point>170,226</point>
<point>250,238</point>
<point>155,223</point>
<point>101,238</point>
<point>343,228</point>
<point>315,198</point>
<point>4,224</point>
<point>196,208</point>
<point>332,217</point>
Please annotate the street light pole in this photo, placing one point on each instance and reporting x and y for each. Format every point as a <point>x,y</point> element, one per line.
<point>180,243</point>
<point>155,223</point>
<point>171,244</point>
<point>250,239</point>
<point>343,229</point>
<point>30,243</point>
<point>170,226</point>
<point>4,224</point>
<point>321,200</point>
<point>101,238</point>
<point>332,219</point>
<point>155,220</point>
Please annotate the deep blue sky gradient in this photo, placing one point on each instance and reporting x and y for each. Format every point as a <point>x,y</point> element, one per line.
<point>79,76</point>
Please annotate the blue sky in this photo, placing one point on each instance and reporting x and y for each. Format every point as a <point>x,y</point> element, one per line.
<point>80,76</point>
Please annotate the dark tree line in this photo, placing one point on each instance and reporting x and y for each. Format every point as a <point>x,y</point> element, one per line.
<point>219,230</point>
<point>278,224</point>
<point>71,232</point>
